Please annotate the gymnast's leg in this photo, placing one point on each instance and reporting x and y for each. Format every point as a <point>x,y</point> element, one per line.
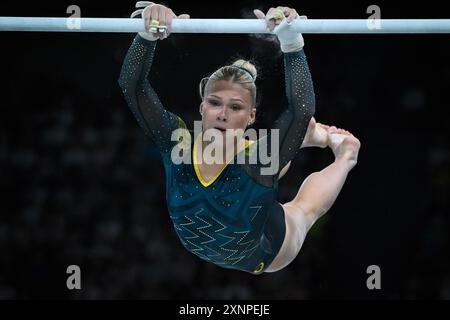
<point>316,195</point>
<point>316,136</point>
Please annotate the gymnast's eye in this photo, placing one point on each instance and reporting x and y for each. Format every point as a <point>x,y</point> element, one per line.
<point>236,107</point>
<point>213,102</point>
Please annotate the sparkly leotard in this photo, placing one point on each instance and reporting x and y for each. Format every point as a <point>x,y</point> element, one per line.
<point>234,220</point>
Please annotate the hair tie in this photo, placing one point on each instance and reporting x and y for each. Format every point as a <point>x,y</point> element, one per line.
<point>246,70</point>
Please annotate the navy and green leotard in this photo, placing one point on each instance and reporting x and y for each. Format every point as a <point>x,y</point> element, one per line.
<point>234,221</point>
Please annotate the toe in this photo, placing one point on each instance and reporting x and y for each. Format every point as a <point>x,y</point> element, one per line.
<point>332,131</point>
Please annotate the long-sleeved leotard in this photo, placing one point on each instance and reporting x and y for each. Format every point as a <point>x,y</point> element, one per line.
<point>234,220</point>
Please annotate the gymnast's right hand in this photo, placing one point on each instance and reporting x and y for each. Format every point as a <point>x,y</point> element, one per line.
<point>158,19</point>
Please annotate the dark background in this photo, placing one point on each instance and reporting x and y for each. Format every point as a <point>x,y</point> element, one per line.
<point>81,184</point>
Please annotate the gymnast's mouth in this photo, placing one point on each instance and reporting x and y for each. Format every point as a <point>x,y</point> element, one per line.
<point>223,130</point>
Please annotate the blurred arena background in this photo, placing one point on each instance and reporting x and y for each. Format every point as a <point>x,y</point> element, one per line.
<point>81,184</point>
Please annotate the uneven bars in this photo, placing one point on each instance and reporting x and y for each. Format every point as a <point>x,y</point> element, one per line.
<point>126,25</point>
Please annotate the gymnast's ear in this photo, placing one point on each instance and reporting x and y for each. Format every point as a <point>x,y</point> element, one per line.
<point>201,109</point>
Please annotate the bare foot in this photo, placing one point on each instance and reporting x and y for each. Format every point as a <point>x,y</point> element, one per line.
<point>343,144</point>
<point>316,135</point>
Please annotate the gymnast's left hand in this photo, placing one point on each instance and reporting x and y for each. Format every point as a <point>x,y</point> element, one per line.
<point>278,20</point>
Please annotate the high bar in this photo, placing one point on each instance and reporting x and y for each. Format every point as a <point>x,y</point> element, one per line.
<point>127,25</point>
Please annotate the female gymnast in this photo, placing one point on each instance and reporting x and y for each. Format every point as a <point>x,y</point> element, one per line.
<point>226,212</point>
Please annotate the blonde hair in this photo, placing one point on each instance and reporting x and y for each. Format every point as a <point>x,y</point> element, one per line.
<point>241,71</point>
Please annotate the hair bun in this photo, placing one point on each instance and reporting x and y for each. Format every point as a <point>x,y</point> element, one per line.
<point>247,66</point>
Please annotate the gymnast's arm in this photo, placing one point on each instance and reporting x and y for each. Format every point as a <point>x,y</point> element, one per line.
<point>293,122</point>
<point>143,101</point>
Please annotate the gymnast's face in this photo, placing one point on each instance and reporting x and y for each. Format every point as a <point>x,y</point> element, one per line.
<point>227,105</point>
